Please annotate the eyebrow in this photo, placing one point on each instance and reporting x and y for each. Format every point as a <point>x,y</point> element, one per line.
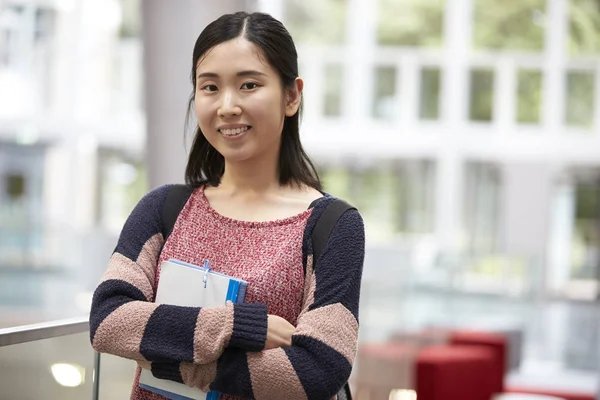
<point>239,74</point>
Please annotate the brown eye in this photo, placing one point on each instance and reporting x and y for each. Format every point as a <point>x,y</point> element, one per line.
<point>249,85</point>
<point>209,88</point>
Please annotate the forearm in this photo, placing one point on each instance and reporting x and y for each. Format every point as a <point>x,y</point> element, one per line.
<point>124,321</point>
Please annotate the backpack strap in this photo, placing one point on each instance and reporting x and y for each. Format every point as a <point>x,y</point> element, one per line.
<point>325,224</point>
<point>176,198</point>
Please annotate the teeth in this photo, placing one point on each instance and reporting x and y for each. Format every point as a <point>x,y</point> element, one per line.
<point>233,132</point>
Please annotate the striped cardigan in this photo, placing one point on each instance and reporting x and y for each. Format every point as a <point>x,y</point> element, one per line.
<point>222,348</point>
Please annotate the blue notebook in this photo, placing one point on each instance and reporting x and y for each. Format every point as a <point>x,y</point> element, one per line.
<point>184,284</point>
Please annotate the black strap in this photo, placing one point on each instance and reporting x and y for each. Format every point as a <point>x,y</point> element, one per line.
<point>176,198</point>
<point>345,393</point>
<point>325,225</point>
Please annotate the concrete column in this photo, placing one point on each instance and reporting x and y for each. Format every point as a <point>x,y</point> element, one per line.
<point>561,234</point>
<point>458,37</point>
<point>527,204</point>
<point>505,96</point>
<point>449,181</point>
<point>557,17</point>
<point>361,39</point>
<point>170,29</point>
<point>454,89</point>
<point>409,93</point>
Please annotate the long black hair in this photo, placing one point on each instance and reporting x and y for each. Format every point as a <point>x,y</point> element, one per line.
<point>205,164</point>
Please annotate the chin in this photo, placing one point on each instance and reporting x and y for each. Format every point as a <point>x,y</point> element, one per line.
<point>236,156</point>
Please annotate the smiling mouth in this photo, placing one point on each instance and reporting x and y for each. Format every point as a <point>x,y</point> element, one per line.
<point>234,132</point>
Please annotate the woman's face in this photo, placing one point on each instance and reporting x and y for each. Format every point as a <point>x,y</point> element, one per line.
<point>240,102</point>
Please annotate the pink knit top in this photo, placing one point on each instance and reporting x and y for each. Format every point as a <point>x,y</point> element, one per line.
<point>268,255</point>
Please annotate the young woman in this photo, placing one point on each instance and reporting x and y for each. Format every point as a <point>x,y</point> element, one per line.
<point>255,200</point>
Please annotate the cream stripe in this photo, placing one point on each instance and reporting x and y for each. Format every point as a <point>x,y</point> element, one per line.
<point>148,257</point>
<point>214,327</point>
<point>122,268</point>
<point>310,285</point>
<point>333,325</point>
<point>280,383</point>
<point>121,332</point>
<point>198,376</point>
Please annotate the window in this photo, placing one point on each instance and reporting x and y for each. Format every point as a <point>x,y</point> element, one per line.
<point>482,207</point>
<point>415,183</point>
<point>410,22</point>
<point>44,23</point>
<point>481,95</point>
<point>579,100</point>
<point>15,186</point>
<point>384,101</point>
<point>333,90</point>
<point>529,96</point>
<point>585,246</point>
<point>584,24</point>
<point>316,21</point>
<point>430,94</point>
<point>512,25</point>
<point>395,197</point>
<point>131,21</point>
<point>122,183</point>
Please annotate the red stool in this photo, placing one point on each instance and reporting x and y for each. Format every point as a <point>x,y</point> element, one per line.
<point>495,342</point>
<point>455,372</point>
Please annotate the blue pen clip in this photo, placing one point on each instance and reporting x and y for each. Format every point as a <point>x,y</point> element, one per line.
<point>206,271</point>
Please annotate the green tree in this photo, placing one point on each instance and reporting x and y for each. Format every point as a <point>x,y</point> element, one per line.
<point>584,18</point>
<point>509,25</point>
<point>410,23</point>
<point>316,21</point>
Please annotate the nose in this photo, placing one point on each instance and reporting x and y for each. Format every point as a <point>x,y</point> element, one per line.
<point>229,106</point>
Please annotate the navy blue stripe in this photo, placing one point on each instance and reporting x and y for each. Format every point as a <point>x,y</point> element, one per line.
<point>167,370</point>
<point>250,323</point>
<point>143,223</point>
<point>322,371</point>
<point>109,296</point>
<point>233,374</point>
<point>169,334</point>
<point>339,272</point>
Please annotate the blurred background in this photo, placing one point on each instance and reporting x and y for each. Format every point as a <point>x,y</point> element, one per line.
<point>467,132</point>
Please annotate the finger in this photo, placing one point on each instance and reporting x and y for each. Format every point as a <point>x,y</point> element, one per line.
<point>144,364</point>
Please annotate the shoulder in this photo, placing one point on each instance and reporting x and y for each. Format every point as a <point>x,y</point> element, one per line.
<point>350,217</point>
<point>143,224</point>
<point>148,209</point>
<point>349,226</point>
<point>156,196</point>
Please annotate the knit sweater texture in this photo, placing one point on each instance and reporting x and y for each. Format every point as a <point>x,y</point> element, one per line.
<point>222,348</point>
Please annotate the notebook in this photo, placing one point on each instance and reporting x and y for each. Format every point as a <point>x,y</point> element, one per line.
<point>184,284</point>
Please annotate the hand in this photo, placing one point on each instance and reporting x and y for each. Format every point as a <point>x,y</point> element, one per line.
<point>279,332</point>
<point>144,365</point>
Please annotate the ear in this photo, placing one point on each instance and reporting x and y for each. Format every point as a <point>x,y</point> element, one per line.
<point>293,97</point>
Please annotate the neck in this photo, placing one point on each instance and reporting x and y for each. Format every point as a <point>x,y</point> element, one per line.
<point>252,177</point>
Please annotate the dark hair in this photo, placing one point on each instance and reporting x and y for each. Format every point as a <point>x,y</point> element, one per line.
<point>205,164</point>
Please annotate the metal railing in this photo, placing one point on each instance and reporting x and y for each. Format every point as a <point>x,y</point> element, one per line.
<point>50,330</point>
